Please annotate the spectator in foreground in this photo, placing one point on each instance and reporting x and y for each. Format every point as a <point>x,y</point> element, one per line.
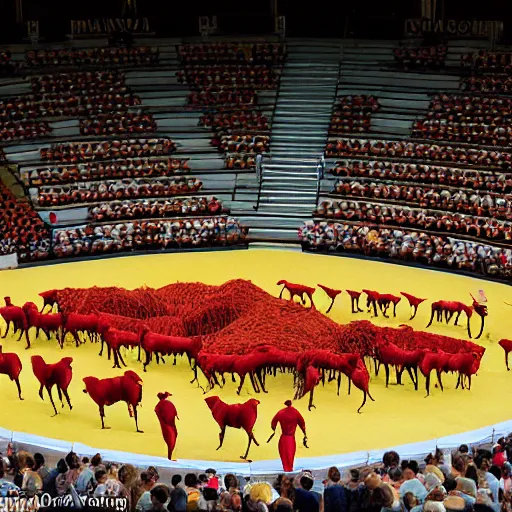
<point>178,501</point>
<point>32,482</point>
<point>142,496</point>
<point>40,466</point>
<point>260,497</point>
<point>307,500</point>
<point>159,497</point>
<point>335,494</point>
<point>193,492</point>
<point>230,499</point>
<point>6,488</point>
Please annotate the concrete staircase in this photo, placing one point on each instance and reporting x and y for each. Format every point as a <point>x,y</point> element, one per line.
<point>299,132</point>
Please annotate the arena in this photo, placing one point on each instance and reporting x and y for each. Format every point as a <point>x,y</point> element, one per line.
<point>262,266</point>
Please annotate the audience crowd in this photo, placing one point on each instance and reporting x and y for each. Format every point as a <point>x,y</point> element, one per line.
<point>417,218</point>
<point>242,143</point>
<point>470,119</point>
<point>500,182</point>
<point>21,229</point>
<point>240,161</point>
<point>466,480</point>
<point>21,130</point>
<point>87,83</point>
<point>71,152</point>
<point>410,246</point>
<point>426,196</point>
<point>121,168</point>
<point>487,84</point>
<point>484,61</point>
<point>127,188</point>
<point>235,53</point>
<point>98,57</point>
<point>215,95</point>
<point>147,235</point>
<point>419,151</point>
<point>149,209</point>
<point>352,114</point>
<point>230,76</point>
<point>224,122</point>
<point>410,57</point>
<point>7,65</point>
<point>119,123</point>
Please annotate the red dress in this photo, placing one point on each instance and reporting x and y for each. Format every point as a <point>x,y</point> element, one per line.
<point>167,414</point>
<point>289,418</point>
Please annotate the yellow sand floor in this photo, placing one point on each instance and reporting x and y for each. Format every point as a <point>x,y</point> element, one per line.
<point>399,415</point>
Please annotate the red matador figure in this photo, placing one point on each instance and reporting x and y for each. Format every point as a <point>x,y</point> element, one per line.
<point>167,415</point>
<point>289,418</point>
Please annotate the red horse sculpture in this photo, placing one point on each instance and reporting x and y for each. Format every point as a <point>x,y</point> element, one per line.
<point>506,345</point>
<point>57,374</point>
<point>167,415</point>
<point>235,416</point>
<point>354,298</point>
<point>331,293</point>
<point>127,388</point>
<point>11,366</point>
<point>451,308</point>
<point>414,302</point>
<point>298,290</point>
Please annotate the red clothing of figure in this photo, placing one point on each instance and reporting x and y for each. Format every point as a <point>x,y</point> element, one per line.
<point>289,418</point>
<point>167,415</point>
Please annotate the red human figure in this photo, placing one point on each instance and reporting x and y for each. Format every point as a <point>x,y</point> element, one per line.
<point>506,345</point>
<point>307,384</point>
<point>167,415</point>
<point>235,416</point>
<point>127,388</point>
<point>331,293</point>
<point>298,290</point>
<point>289,419</point>
<point>414,302</point>
<point>57,374</point>
<point>11,366</point>
<point>354,298</point>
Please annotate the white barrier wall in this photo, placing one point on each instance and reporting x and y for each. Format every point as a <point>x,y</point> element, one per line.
<point>8,261</point>
<point>482,436</point>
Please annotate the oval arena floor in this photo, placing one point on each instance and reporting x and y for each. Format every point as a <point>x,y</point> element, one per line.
<point>398,416</point>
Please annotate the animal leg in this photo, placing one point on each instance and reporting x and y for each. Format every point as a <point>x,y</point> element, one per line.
<point>506,360</point>
<point>414,311</point>
<point>431,318</point>
<point>386,367</point>
<point>59,392</point>
<point>339,383</point>
<point>41,393</point>
<point>362,405</point>
<point>68,400</point>
<point>102,416</point>
<point>427,384</point>
<point>121,358</point>
<point>374,304</point>
<point>148,360</point>
<point>409,371</point>
<point>242,379</point>
<point>222,433</point>
<point>457,318</point>
<point>399,371</point>
<point>7,329</point>
<point>254,383</point>
<point>394,309</point>
<point>248,447</point>
<point>261,380</point>
<point>281,294</point>
<point>469,382</point>
<point>330,306</point>
<point>481,328</point>
<point>49,390</point>
<point>439,380</point>
<point>17,381</point>
<point>117,355</point>
<point>310,405</point>
<point>135,415</point>
<point>349,385</point>
<point>416,378</point>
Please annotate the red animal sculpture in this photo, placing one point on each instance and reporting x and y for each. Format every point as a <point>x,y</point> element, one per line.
<point>451,308</point>
<point>48,323</point>
<point>236,416</point>
<point>433,361</point>
<point>414,302</point>
<point>57,374</point>
<point>289,419</point>
<point>307,384</point>
<point>385,300</point>
<point>126,388</point>
<point>298,290</point>
<point>49,299</point>
<point>348,364</point>
<point>75,323</point>
<point>167,415</point>
<point>354,299</point>
<point>115,339</point>
<point>16,316</point>
<point>331,293</point>
<point>506,345</point>
<point>161,345</point>
<point>389,354</point>
<point>11,366</point>
<point>371,300</point>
